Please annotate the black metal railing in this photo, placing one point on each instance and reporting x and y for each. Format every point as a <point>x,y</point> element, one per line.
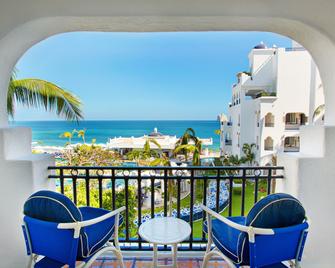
<point>147,192</point>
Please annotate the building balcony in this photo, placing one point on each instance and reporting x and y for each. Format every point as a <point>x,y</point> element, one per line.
<point>292,144</point>
<point>144,193</point>
<point>291,149</point>
<point>228,142</point>
<point>293,121</point>
<point>292,126</point>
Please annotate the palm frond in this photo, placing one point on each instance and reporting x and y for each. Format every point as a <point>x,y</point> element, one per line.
<point>186,147</point>
<point>43,94</point>
<point>153,141</point>
<point>319,110</point>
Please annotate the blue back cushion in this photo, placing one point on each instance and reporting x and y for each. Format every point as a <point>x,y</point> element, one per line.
<point>276,211</point>
<point>273,211</point>
<point>51,206</point>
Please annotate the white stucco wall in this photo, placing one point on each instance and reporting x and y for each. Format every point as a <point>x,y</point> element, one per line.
<point>311,23</point>
<point>21,174</point>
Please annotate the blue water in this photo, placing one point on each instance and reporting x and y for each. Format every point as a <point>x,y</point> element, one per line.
<point>48,132</point>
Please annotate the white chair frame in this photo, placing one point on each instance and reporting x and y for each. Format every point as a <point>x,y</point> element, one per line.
<point>251,231</point>
<point>76,226</point>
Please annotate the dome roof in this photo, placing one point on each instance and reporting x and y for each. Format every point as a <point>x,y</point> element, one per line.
<point>155,133</point>
<point>261,45</point>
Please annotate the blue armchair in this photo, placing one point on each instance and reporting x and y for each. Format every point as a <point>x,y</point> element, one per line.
<point>272,234</point>
<point>57,233</point>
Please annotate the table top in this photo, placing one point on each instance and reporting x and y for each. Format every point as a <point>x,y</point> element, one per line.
<point>166,230</point>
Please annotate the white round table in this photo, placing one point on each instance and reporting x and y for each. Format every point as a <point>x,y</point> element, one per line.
<point>165,231</point>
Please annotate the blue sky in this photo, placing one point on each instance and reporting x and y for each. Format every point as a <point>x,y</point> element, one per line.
<point>130,76</point>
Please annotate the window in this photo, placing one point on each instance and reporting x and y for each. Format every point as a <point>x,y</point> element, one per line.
<point>268,144</point>
<point>269,120</point>
<point>292,144</point>
<point>295,120</point>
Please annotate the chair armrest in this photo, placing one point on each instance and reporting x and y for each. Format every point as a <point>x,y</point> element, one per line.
<point>80,224</point>
<point>247,229</point>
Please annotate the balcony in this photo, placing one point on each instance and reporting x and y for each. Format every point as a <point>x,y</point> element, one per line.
<point>292,144</point>
<point>293,121</point>
<point>228,142</point>
<point>145,192</point>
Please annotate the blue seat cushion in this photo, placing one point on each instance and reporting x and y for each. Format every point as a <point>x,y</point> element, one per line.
<point>51,206</point>
<point>276,211</point>
<point>94,237</point>
<point>48,263</point>
<point>229,241</point>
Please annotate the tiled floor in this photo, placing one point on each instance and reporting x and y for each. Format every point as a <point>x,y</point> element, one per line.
<point>146,263</point>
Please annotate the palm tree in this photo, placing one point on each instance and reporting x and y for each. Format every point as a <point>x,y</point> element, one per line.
<point>67,135</point>
<point>233,160</point>
<point>189,143</point>
<point>81,134</point>
<point>191,148</point>
<point>146,152</point>
<point>42,94</point>
<point>249,155</point>
<point>188,136</point>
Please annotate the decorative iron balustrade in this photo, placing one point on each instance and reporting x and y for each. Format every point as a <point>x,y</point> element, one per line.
<point>181,190</point>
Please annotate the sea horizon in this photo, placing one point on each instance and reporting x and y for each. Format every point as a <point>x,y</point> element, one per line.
<point>47,132</point>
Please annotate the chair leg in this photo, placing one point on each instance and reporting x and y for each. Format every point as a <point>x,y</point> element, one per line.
<point>109,247</point>
<point>119,257</point>
<point>206,259</point>
<point>215,251</point>
<point>208,256</point>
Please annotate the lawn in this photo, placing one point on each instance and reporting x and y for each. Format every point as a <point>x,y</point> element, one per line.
<point>236,202</point>
<point>236,208</point>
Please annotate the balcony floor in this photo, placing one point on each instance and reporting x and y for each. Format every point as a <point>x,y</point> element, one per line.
<point>145,262</point>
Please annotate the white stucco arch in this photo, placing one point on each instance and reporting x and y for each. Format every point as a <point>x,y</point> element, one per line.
<point>311,23</point>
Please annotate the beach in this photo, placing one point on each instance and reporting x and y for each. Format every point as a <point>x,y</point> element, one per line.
<point>46,134</point>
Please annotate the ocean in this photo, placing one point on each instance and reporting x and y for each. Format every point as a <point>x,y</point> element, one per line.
<point>47,133</point>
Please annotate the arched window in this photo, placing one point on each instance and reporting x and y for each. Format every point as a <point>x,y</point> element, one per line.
<point>268,144</point>
<point>269,120</point>
<point>292,144</point>
<point>295,120</point>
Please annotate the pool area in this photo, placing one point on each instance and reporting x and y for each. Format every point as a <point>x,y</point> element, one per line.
<point>129,164</point>
<point>197,210</point>
<point>207,161</point>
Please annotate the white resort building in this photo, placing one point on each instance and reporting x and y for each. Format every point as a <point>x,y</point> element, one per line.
<point>167,143</point>
<point>271,101</point>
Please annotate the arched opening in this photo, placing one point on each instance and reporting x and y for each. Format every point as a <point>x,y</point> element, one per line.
<point>269,120</point>
<point>295,120</point>
<point>292,144</point>
<point>313,39</point>
<point>268,144</point>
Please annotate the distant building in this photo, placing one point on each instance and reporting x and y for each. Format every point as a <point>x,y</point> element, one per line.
<point>271,101</point>
<point>166,142</point>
